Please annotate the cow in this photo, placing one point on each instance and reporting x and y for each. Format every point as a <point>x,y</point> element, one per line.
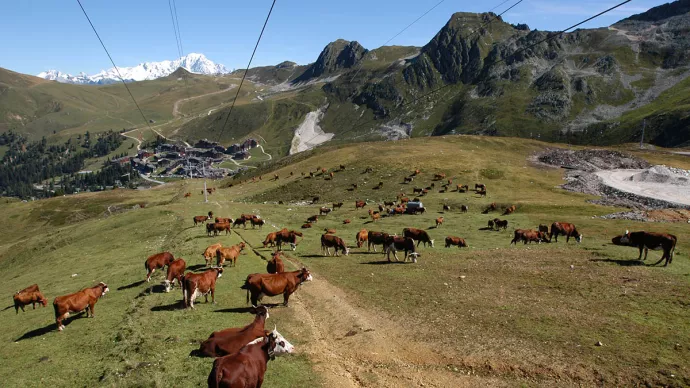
<point>81,300</point>
<point>388,203</point>
<point>464,208</point>
<point>257,221</point>
<point>195,285</point>
<point>566,229</point>
<point>438,177</point>
<point>439,221</point>
<point>275,265</point>
<point>290,237</point>
<point>491,224</point>
<point>314,218</point>
<point>528,236</point>
<point>229,253</point>
<point>361,237</point>
<point>376,238</point>
<point>375,216</point>
<point>240,221</point>
<point>416,172</point>
<point>228,341</point>
<point>329,241</point>
<point>157,261</point>
<point>247,367</point>
<point>216,228</point>
<point>404,200</point>
<point>463,188</point>
<point>446,207</point>
<point>331,175</point>
<point>337,205</point>
<point>479,186</point>
<point>417,190</point>
<point>482,193</point>
<point>306,226</point>
<point>270,239</point>
<point>396,243</point>
<point>510,210</point>
<point>28,296</point>
<point>649,240</point>
<point>210,253</point>
<point>457,241</point>
<point>286,283</point>
<point>408,179</point>
<point>175,272</point>
<point>200,219</point>
<point>501,224</point>
<point>346,221</point>
<point>324,211</point>
<point>492,207</point>
<point>543,228</point>
<point>223,220</point>
<point>187,195</point>
<point>418,235</point>
<point>329,230</point>
<point>360,204</point>
<point>342,167</point>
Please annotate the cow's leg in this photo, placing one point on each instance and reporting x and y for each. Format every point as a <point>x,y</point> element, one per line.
<point>255,299</point>
<point>33,304</point>
<point>91,306</point>
<point>286,297</point>
<point>646,250</point>
<point>22,306</point>
<point>213,294</point>
<point>641,248</point>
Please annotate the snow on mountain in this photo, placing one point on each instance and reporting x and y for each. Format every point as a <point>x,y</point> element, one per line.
<point>195,63</point>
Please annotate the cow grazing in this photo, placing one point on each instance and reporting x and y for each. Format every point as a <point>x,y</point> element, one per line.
<point>501,224</point>
<point>510,210</point>
<point>306,226</point>
<point>491,224</point>
<point>479,187</point>
<point>464,208</point>
<point>417,190</point>
<point>492,207</point>
<point>195,285</point>
<point>455,241</point>
<point>219,220</point>
<point>446,208</point>
<point>175,272</point>
<point>346,221</point>
<point>439,221</point>
<point>312,219</point>
<point>240,221</point>
<point>82,300</point>
<point>375,216</point>
<point>408,179</point>
<point>200,219</point>
<point>337,205</point>
<point>438,177</point>
<point>360,204</point>
<point>247,367</point>
<point>329,241</point>
<point>566,229</point>
<point>210,252</point>
<point>376,238</point>
<point>187,195</point>
<point>543,228</point>
<point>396,243</point>
<point>157,261</point>
<point>270,239</point>
<point>324,211</point>
<point>463,188</point>
<point>28,296</point>
<point>528,236</point>
<point>228,341</point>
<point>418,235</point>
<point>649,240</point>
<point>215,228</point>
<point>287,237</point>
<point>329,230</point>
<point>257,222</point>
<point>229,253</point>
<point>361,237</point>
<point>258,285</point>
<point>482,193</point>
<point>275,265</point>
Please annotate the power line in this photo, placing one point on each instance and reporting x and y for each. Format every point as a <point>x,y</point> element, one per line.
<point>246,71</point>
<point>481,26</point>
<point>177,39</point>
<point>549,36</point>
<point>115,66</point>
<point>177,23</point>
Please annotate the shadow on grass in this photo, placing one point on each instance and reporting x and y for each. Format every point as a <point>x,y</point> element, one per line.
<point>488,228</point>
<point>313,256</point>
<point>382,262</point>
<point>621,262</point>
<point>179,305</point>
<point>247,309</point>
<point>48,328</point>
<point>196,267</point>
<point>8,307</point>
<point>135,284</point>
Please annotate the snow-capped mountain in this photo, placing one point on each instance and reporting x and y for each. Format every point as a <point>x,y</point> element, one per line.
<point>195,63</point>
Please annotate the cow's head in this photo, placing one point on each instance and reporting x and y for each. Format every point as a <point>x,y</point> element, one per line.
<point>579,238</point>
<point>278,345</point>
<point>625,238</point>
<point>261,310</point>
<point>220,272</point>
<point>414,256</point>
<point>306,276</point>
<point>293,246</point>
<point>43,301</point>
<point>104,288</point>
<point>346,251</point>
<point>431,242</point>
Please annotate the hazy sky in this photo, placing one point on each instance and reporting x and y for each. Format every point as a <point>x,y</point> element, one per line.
<point>39,35</point>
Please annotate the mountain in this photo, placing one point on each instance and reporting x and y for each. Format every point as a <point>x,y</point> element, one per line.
<point>336,56</point>
<point>272,75</point>
<point>195,63</point>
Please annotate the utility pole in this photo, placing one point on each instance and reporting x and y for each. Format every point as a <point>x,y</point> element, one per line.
<point>644,124</point>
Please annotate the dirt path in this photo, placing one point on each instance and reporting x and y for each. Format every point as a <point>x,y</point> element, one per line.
<point>620,179</point>
<point>176,106</point>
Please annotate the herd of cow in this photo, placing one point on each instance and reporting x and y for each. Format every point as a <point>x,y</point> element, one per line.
<point>242,354</point>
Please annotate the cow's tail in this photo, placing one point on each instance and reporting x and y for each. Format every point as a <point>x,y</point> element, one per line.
<point>245,286</point>
<point>673,248</point>
<point>183,285</point>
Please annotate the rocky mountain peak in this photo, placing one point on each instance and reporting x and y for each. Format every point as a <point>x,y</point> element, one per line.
<point>338,55</point>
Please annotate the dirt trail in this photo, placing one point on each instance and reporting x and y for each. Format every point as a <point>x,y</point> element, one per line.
<point>176,106</point>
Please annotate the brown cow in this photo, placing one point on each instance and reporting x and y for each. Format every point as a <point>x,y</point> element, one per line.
<point>360,204</point>
<point>201,219</point>
<point>337,205</point>
<point>438,177</point>
<point>195,285</point>
<point>210,253</point>
<point>258,285</point>
<point>175,272</point>
<point>501,224</point>
<point>361,237</point>
<point>240,221</point>
<point>566,229</point>
<point>375,216</point>
<point>290,237</point>
<point>275,265</point>
<point>270,239</point>
<point>81,300</point>
<point>492,207</point>
<point>418,235</point>
<point>439,221</point>
<point>396,243</point>
<point>649,240</point>
<point>510,210</point>
<point>157,261</point>
<point>229,253</point>
<point>376,238</point>
<point>187,195</point>
<point>30,295</point>
<point>330,241</point>
<point>528,236</point>
<point>228,341</point>
<point>224,220</point>
<point>346,221</point>
<point>324,211</point>
<point>459,242</point>
<point>217,227</point>
<point>482,193</point>
<point>329,230</point>
<point>543,228</point>
<point>312,219</point>
<point>306,226</point>
<point>463,188</point>
<point>246,368</point>
<point>479,186</point>
<point>257,221</point>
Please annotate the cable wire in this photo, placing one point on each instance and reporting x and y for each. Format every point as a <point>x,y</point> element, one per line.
<point>115,66</point>
<point>246,71</point>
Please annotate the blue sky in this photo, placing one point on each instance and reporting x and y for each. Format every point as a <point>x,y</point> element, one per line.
<point>38,35</point>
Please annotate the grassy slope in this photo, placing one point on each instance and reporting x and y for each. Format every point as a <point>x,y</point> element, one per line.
<point>520,314</point>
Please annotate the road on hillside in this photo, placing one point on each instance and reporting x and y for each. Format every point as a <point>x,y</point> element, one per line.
<point>176,106</point>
